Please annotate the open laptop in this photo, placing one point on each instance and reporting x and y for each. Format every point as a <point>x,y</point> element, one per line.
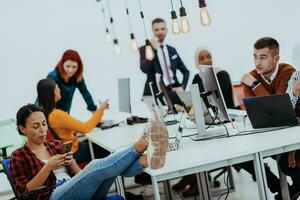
<point>270,111</point>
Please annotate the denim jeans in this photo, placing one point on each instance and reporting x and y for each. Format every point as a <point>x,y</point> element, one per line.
<point>95,180</point>
<point>83,154</point>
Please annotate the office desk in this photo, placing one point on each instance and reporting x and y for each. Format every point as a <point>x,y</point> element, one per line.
<point>200,156</point>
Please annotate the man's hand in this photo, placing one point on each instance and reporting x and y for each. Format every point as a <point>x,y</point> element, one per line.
<point>177,89</point>
<point>291,159</point>
<point>296,88</point>
<point>154,42</point>
<point>248,79</point>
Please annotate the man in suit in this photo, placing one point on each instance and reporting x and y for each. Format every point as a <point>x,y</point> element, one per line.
<point>166,62</point>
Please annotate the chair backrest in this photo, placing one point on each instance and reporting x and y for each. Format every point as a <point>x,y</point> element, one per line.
<point>10,136</point>
<point>6,166</point>
<point>238,92</point>
<point>114,197</point>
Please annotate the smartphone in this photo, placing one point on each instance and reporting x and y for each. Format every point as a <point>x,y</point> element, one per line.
<point>66,147</point>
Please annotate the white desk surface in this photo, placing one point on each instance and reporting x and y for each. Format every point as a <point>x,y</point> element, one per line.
<point>202,153</point>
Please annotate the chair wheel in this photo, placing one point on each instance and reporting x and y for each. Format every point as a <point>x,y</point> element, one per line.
<point>217,184</point>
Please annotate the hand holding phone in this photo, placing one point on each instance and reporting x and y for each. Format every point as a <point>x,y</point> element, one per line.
<point>66,147</point>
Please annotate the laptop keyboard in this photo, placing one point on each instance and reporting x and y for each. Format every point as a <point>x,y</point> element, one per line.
<point>172,146</point>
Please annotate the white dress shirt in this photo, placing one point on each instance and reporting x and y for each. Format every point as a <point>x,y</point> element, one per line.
<point>162,63</point>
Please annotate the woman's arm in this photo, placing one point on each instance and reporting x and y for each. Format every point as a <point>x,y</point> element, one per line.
<point>87,96</point>
<point>39,180</point>
<point>61,119</point>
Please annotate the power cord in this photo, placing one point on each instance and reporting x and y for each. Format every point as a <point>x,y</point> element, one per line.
<point>226,182</point>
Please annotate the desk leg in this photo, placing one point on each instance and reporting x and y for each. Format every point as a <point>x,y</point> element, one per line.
<point>231,180</point>
<point>155,188</point>
<point>168,195</point>
<point>91,150</point>
<point>203,186</point>
<point>261,177</point>
<point>120,187</point>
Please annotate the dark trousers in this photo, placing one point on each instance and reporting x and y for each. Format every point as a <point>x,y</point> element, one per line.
<point>272,180</point>
<point>294,173</point>
<point>83,154</point>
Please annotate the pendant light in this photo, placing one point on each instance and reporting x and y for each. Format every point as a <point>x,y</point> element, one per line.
<point>205,18</point>
<point>133,42</point>
<point>149,53</point>
<point>184,23</point>
<point>175,25</point>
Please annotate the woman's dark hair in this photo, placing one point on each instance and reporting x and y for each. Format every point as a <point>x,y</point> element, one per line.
<point>24,112</point>
<point>46,96</point>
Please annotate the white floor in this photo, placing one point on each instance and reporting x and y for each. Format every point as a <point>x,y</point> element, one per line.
<point>246,188</point>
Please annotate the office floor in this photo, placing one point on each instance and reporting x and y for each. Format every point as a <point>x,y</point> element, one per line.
<point>246,189</point>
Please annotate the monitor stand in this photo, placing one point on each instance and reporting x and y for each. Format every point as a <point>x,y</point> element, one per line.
<point>210,133</point>
<point>203,133</point>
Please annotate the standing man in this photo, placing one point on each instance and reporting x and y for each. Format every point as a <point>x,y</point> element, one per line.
<point>269,78</point>
<point>166,62</point>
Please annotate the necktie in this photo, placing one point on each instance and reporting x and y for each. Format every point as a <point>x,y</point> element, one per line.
<point>166,65</point>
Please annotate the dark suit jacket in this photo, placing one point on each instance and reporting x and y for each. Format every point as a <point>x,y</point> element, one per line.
<point>152,67</point>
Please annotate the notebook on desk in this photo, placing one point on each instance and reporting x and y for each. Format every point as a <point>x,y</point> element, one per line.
<point>270,111</point>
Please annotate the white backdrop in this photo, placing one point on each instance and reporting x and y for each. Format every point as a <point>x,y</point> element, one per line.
<point>35,33</point>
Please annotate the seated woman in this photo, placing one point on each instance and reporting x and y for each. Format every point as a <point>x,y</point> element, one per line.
<point>40,163</point>
<point>66,126</point>
<point>204,57</point>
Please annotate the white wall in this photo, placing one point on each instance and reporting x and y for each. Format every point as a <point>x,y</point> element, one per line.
<point>34,34</point>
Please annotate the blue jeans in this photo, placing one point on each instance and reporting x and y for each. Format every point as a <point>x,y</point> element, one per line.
<point>95,180</point>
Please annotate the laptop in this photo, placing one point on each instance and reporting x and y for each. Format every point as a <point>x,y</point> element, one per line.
<point>270,111</point>
<point>174,145</point>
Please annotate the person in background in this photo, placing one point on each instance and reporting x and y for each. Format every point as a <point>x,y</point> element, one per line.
<point>39,163</point>
<point>64,125</point>
<point>68,74</point>
<point>203,57</point>
<point>166,62</point>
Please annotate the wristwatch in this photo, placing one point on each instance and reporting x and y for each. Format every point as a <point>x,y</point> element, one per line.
<point>254,84</point>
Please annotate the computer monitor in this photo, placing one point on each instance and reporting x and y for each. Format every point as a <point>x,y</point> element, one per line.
<point>124,95</point>
<point>164,91</point>
<point>202,132</point>
<point>214,92</point>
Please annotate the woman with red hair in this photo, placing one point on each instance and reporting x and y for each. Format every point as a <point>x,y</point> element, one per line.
<point>68,74</point>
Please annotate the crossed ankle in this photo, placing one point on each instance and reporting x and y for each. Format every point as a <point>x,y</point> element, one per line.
<point>141,145</point>
<point>144,161</point>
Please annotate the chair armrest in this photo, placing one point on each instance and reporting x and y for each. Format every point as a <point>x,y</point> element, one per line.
<point>31,194</point>
<point>4,150</point>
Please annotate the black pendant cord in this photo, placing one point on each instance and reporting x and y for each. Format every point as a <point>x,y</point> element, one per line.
<point>172,6</point>
<point>114,33</point>
<point>128,16</point>
<point>143,20</point>
<point>181,3</point>
<point>104,15</point>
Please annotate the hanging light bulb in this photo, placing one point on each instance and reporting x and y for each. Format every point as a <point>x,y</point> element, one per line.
<point>134,44</point>
<point>116,47</point>
<point>175,25</point>
<point>205,18</point>
<point>107,35</point>
<point>184,23</point>
<point>149,53</point>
